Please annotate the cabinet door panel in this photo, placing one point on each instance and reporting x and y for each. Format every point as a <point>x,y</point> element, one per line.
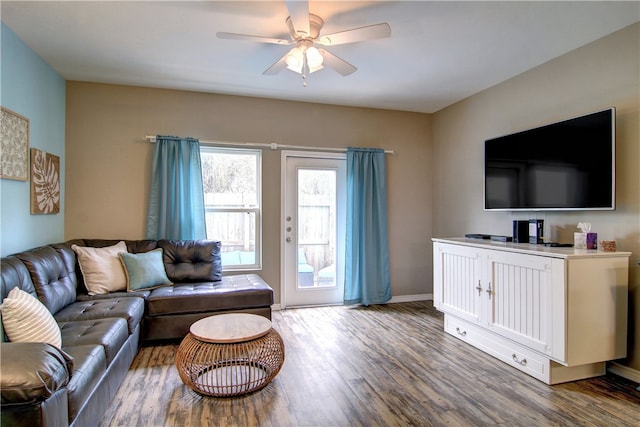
<point>457,281</point>
<point>520,299</point>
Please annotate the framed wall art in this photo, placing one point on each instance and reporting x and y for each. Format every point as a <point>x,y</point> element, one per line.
<point>45,182</point>
<point>14,152</point>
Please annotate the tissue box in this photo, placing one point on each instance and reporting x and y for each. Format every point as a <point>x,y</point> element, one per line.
<point>585,240</point>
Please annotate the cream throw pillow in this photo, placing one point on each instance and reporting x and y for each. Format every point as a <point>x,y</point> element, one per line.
<point>26,319</point>
<point>101,268</point>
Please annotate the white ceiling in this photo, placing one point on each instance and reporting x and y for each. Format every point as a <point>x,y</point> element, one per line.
<point>438,52</point>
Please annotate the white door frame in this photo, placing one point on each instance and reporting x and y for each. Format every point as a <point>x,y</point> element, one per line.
<point>283,234</point>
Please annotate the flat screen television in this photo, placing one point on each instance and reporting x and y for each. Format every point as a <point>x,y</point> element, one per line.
<point>569,165</point>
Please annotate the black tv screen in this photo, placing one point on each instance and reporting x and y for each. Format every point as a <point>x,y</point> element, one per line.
<point>569,165</point>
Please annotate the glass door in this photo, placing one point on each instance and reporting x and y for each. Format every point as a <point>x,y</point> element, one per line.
<point>314,229</point>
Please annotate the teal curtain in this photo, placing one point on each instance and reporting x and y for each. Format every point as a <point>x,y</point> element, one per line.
<point>367,250</point>
<point>176,204</point>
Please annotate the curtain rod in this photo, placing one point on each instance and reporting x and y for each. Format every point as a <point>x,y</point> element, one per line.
<point>271,145</point>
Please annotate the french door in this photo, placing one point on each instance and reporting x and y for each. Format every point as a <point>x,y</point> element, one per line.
<point>313,228</point>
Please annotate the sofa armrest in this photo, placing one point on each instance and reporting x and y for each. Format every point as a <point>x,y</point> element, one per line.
<point>31,372</point>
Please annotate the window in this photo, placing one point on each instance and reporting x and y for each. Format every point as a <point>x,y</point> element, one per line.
<point>232,193</point>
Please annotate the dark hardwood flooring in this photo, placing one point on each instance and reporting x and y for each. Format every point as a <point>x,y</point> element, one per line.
<point>388,365</point>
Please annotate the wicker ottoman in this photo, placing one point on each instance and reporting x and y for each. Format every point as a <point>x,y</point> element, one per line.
<point>230,355</point>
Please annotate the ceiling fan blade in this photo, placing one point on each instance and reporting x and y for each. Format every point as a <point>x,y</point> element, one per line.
<point>299,13</point>
<point>260,39</point>
<point>278,66</point>
<point>338,64</point>
<point>376,31</point>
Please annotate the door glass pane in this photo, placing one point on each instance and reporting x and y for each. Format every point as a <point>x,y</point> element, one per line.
<point>316,227</point>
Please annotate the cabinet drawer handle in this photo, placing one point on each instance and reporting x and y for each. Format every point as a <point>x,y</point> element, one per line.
<point>479,288</point>
<point>463,333</point>
<point>488,290</point>
<point>522,362</point>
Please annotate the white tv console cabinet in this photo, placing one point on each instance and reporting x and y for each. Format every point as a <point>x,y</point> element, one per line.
<point>557,314</point>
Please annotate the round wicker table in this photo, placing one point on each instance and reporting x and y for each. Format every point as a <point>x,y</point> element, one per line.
<point>230,354</point>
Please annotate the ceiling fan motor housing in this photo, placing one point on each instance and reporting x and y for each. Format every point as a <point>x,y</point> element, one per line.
<point>315,25</point>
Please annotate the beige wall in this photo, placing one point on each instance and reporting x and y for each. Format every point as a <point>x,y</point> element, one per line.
<point>109,162</point>
<point>599,75</point>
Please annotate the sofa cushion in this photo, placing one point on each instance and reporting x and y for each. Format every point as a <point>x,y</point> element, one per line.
<point>53,278</point>
<point>192,260</point>
<point>110,333</point>
<point>89,366</point>
<point>101,268</point>
<point>145,270</point>
<point>25,319</point>
<point>32,372</point>
<point>238,292</point>
<point>131,309</point>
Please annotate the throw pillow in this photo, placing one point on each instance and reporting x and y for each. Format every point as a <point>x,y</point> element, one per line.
<point>101,268</point>
<point>26,319</point>
<point>144,270</point>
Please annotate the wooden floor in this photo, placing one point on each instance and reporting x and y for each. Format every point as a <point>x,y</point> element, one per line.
<point>388,365</point>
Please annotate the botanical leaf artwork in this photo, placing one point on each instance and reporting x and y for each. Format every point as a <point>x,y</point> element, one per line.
<point>45,182</point>
<point>14,153</point>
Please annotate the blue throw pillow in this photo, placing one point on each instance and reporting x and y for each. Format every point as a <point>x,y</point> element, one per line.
<point>144,270</point>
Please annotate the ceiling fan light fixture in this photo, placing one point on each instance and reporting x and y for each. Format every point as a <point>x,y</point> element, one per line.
<point>314,59</point>
<point>302,58</point>
<point>294,60</point>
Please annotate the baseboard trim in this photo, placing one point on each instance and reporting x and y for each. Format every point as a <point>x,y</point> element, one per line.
<point>410,298</point>
<point>624,371</point>
<point>397,299</point>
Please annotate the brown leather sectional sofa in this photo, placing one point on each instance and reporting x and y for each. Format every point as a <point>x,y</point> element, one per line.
<point>42,385</point>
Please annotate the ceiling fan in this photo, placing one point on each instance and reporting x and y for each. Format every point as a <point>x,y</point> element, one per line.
<point>304,31</point>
